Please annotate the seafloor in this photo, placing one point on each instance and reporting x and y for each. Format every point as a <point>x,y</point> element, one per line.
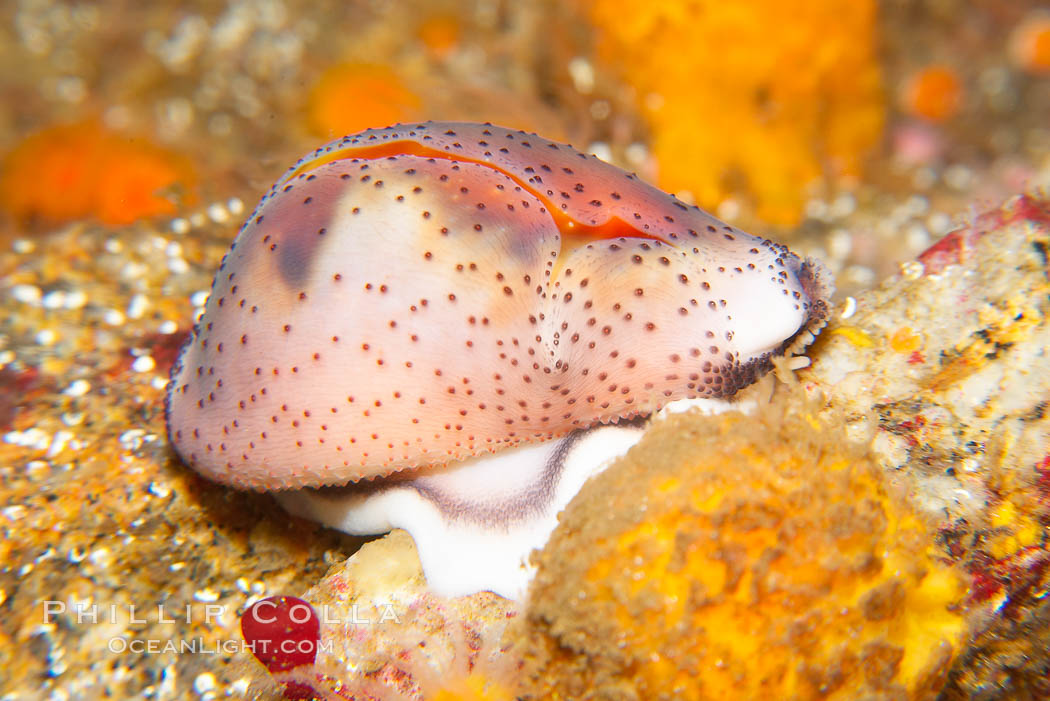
<point>137,137</point>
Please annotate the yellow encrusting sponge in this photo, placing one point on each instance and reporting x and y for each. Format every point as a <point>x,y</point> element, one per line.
<point>745,557</point>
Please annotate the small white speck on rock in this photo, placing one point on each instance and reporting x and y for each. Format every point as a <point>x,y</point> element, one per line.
<point>100,557</point>
<point>26,294</point>
<point>76,299</point>
<point>73,418</point>
<point>37,468</point>
<point>77,388</point>
<point>23,246</point>
<point>33,438</point>
<point>137,306</point>
<point>114,317</point>
<point>218,213</point>
<point>132,438</point>
<point>46,337</point>
<point>912,270</point>
<point>849,308</point>
<point>204,683</point>
<point>207,596</point>
<point>239,687</point>
<point>56,299</point>
<point>13,513</point>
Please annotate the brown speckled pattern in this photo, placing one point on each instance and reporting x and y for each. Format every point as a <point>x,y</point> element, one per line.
<point>457,289</point>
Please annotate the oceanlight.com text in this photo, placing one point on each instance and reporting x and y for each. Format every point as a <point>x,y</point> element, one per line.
<point>199,646</point>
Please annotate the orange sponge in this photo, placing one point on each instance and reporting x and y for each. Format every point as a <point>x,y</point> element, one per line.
<point>745,558</point>
<point>933,93</point>
<point>85,170</point>
<point>352,97</point>
<point>763,96</point>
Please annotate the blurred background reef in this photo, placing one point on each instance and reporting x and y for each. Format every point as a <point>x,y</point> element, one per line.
<point>135,137</point>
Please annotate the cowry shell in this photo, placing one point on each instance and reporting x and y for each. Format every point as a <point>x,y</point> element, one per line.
<point>425,293</point>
